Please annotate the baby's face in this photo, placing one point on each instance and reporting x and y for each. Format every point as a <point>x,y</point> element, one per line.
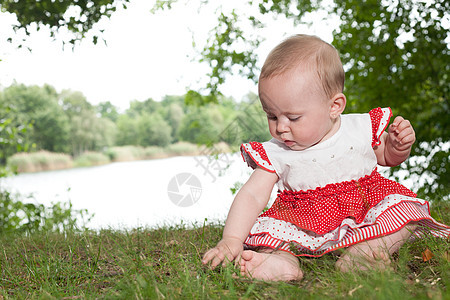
<point>298,111</point>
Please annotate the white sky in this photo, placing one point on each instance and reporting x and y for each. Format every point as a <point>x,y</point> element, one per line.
<point>147,56</point>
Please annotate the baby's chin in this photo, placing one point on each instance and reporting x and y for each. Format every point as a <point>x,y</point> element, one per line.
<point>294,145</point>
<point>298,147</point>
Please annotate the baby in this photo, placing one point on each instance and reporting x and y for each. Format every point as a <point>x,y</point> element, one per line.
<point>324,163</point>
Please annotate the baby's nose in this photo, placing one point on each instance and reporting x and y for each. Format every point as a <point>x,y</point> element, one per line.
<point>282,125</point>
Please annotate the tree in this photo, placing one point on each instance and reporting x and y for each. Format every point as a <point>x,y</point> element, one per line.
<point>202,125</point>
<point>252,120</point>
<point>87,130</point>
<point>395,53</point>
<point>153,130</point>
<point>105,134</point>
<point>38,106</point>
<point>127,131</point>
<point>107,110</point>
<point>148,106</point>
<point>174,116</point>
<point>76,17</point>
<point>11,135</point>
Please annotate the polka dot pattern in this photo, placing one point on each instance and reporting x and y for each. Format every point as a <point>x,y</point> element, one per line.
<point>380,120</point>
<point>389,215</point>
<point>254,154</point>
<point>324,208</point>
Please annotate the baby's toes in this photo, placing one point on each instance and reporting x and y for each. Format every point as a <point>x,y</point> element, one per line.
<point>344,264</point>
<point>381,255</point>
<point>382,259</point>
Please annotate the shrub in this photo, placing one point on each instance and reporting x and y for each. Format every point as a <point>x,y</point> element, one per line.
<point>39,161</point>
<point>154,152</point>
<point>91,159</point>
<point>19,217</point>
<point>182,148</point>
<point>124,153</point>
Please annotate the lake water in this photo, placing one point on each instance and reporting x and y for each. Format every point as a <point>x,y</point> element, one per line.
<point>141,193</point>
<point>149,193</point>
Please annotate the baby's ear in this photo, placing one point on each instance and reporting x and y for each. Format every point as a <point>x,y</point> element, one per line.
<point>337,105</point>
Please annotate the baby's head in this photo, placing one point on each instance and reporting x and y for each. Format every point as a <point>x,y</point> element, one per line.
<point>310,53</point>
<point>300,88</point>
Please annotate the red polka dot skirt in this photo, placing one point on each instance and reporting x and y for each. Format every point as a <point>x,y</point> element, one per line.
<point>323,209</point>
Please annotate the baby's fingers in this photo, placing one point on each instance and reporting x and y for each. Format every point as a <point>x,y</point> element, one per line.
<point>228,258</point>
<point>217,259</point>
<point>395,125</point>
<point>406,138</point>
<point>211,255</point>
<point>400,125</point>
<point>215,256</point>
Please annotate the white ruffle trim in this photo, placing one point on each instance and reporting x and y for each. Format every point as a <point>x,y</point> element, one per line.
<point>384,122</point>
<point>253,158</point>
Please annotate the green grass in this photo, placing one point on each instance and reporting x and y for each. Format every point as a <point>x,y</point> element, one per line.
<point>165,264</point>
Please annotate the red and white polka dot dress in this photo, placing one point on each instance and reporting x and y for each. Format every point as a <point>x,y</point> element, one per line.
<point>331,195</point>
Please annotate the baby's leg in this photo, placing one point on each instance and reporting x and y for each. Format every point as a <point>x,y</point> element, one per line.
<point>375,253</point>
<point>270,265</point>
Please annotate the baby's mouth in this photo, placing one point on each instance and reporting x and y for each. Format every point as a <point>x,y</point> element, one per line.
<point>288,143</point>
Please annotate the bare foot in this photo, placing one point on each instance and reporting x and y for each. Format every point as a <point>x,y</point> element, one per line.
<point>364,257</point>
<point>270,266</point>
<point>375,253</point>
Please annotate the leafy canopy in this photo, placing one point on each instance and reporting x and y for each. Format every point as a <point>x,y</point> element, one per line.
<point>76,17</point>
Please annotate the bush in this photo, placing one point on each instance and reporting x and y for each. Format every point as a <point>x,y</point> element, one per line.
<point>182,148</point>
<point>129,153</point>
<point>124,153</point>
<point>19,217</point>
<point>222,147</point>
<point>154,152</point>
<point>39,161</point>
<point>91,159</point>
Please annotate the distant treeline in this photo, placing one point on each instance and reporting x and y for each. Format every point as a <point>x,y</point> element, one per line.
<point>42,119</point>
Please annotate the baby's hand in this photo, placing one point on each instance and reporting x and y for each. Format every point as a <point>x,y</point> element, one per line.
<point>226,251</point>
<point>401,134</point>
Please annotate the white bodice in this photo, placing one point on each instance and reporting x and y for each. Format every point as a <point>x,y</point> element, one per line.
<point>347,155</point>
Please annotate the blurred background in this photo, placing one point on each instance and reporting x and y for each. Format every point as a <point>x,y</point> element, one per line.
<point>103,103</point>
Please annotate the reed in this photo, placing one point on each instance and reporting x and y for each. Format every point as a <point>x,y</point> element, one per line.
<point>39,161</point>
<point>45,160</point>
<point>90,158</point>
<point>182,148</point>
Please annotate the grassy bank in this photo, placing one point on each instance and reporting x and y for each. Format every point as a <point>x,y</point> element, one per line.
<point>165,264</point>
<point>45,161</point>
<point>39,161</point>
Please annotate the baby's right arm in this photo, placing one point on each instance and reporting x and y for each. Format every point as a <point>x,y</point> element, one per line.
<point>248,204</point>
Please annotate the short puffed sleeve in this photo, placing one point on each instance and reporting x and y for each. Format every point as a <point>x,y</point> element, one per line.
<point>380,119</point>
<point>254,154</point>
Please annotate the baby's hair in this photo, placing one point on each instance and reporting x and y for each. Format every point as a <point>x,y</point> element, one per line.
<point>313,53</point>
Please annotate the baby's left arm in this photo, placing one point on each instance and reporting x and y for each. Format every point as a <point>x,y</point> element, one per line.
<point>396,143</point>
